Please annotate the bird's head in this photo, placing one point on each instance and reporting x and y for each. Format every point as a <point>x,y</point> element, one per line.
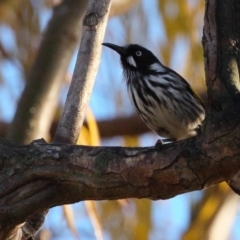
<point>135,57</point>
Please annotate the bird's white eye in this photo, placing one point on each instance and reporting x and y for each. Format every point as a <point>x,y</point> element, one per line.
<point>138,53</point>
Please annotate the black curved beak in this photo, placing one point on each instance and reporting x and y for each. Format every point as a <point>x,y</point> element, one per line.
<point>120,50</point>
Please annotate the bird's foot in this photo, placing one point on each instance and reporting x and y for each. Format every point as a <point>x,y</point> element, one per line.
<point>199,130</point>
<point>161,142</point>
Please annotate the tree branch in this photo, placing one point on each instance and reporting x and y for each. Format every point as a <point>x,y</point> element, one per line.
<point>228,47</point>
<point>221,43</point>
<point>40,176</point>
<point>120,126</point>
<point>35,110</point>
<point>222,107</point>
<point>87,64</point>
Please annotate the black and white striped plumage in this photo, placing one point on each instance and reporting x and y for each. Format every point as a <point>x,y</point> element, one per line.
<point>164,100</point>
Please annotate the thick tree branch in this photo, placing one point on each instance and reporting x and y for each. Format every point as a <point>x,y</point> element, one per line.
<point>229,45</point>
<point>222,107</point>
<point>221,43</point>
<point>40,176</point>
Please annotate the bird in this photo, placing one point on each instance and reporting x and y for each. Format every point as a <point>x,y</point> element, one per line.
<point>164,100</point>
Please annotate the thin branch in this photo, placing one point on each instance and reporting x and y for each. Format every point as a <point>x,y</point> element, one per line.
<point>94,25</point>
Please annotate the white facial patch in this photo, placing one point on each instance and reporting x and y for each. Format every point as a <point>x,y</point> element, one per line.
<point>156,67</point>
<point>131,61</point>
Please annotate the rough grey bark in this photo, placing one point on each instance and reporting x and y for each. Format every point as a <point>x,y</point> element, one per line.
<point>41,175</point>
